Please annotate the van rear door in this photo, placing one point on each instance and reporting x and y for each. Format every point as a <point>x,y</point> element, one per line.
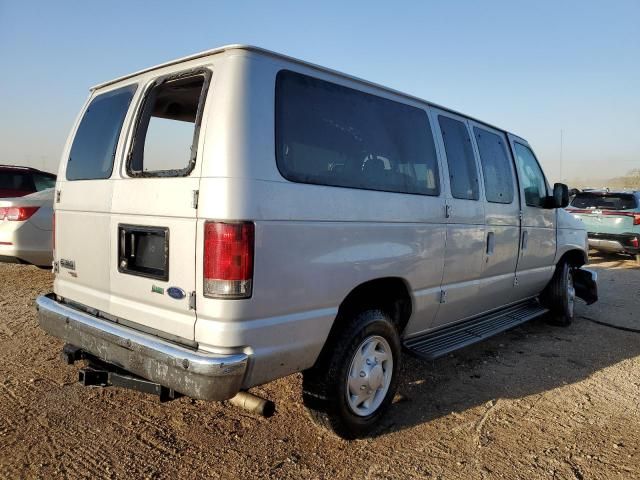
<point>154,209</point>
<point>83,200</point>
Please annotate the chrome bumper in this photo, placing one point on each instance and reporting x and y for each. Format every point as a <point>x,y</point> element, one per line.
<point>194,373</point>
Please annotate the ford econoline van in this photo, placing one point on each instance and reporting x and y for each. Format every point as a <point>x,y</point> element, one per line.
<point>237,216</point>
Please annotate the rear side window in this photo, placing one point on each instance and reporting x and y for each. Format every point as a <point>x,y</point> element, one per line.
<point>496,166</point>
<point>167,130</point>
<point>463,174</point>
<point>531,176</point>
<point>42,182</point>
<point>605,201</point>
<point>94,146</point>
<point>328,134</point>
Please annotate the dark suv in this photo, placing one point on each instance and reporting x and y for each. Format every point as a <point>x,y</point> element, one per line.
<point>21,181</point>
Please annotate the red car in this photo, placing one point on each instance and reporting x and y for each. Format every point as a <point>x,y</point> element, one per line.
<point>21,181</point>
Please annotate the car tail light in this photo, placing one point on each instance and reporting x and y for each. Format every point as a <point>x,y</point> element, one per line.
<point>17,214</point>
<point>634,242</point>
<point>228,259</point>
<point>636,218</point>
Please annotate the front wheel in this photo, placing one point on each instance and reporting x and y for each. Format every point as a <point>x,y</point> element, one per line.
<point>355,379</point>
<point>560,296</point>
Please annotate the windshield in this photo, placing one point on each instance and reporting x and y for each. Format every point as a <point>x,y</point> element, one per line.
<point>604,201</point>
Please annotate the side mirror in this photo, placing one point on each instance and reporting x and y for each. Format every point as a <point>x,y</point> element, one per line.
<point>560,195</point>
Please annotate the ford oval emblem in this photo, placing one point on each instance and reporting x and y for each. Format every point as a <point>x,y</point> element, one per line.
<point>175,292</point>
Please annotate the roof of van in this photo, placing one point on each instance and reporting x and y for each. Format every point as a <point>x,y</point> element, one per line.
<point>263,51</point>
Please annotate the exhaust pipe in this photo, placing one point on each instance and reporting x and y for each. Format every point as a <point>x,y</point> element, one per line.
<point>254,404</point>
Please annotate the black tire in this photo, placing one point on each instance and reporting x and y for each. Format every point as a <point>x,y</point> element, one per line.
<point>325,387</point>
<point>559,296</point>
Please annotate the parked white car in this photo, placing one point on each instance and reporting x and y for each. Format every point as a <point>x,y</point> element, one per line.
<point>26,228</point>
<point>236,216</point>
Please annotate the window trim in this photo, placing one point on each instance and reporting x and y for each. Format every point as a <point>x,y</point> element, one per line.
<point>476,160</point>
<point>134,89</point>
<point>512,167</point>
<point>520,185</point>
<point>143,113</point>
<point>437,174</point>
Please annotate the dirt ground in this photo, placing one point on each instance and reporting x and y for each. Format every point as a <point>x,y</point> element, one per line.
<point>536,402</point>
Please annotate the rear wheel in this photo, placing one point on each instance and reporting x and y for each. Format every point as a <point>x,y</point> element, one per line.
<point>354,381</point>
<point>560,295</point>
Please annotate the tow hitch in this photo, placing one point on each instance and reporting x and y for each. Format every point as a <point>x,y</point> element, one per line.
<point>100,374</point>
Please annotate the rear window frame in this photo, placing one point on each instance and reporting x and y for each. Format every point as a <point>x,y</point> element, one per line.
<point>143,110</point>
<point>438,189</point>
<point>133,88</point>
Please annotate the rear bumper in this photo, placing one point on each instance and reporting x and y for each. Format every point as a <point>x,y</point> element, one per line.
<point>615,242</point>
<point>194,373</point>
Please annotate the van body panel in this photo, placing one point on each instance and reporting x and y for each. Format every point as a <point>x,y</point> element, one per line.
<point>502,235</point>
<point>538,236</point>
<point>286,285</point>
<point>465,238</point>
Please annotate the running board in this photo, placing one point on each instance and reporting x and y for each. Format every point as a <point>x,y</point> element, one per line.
<point>448,339</point>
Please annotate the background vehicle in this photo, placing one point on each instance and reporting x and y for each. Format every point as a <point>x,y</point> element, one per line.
<point>612,220</point>
<point>26,228</point>
<point>237,216</point>
<point>18,181</point>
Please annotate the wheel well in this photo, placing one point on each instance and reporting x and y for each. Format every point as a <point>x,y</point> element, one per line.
<point>388,294</point>
<point>573,257</point>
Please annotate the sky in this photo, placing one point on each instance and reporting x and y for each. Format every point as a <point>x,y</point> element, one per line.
<point>534,68</point>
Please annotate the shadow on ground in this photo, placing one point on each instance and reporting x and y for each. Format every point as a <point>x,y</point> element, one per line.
<point>531,359</point>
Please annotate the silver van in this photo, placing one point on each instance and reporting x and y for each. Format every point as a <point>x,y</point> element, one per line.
<point>236,216</point>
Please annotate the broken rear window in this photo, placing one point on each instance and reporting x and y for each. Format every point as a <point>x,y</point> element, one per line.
<point>167,130</point>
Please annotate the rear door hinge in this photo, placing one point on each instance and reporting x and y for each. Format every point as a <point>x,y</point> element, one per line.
<point>192,301</point>
<point>58,193</point>
<point>194,199</point>
<point>443,296</point>
<point>515,281</point>
<point>56,267</point>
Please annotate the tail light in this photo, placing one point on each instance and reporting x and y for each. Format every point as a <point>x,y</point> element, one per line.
<point>228,259</point>
<point>636,218</point>
<point>17,214</point>
<point>634,242</point>
<point>53,234</point>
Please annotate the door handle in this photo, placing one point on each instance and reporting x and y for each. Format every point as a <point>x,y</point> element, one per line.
<point>491,243</point>
<point>525,239</point>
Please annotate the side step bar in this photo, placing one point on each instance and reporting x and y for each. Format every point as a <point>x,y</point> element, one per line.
<point>448,339</point>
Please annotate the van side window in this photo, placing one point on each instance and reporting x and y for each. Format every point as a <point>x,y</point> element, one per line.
<point>94,146</point>
<point>328,134</point>
<point>463,174</point>
<point>496,166</point>
<point>531,176</point>
<point>167,130</point>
